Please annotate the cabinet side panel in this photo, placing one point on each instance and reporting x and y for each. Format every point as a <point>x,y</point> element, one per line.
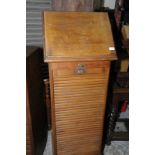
<point>52,110</point>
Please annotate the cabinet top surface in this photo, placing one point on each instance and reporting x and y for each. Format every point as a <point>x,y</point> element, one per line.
<point>77,36</point>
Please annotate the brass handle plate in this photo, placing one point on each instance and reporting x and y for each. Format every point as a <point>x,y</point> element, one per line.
<point>80,69</point>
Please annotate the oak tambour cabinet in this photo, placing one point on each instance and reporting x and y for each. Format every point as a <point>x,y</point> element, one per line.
<point>78,47</point>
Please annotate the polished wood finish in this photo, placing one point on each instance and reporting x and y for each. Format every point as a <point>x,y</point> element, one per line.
<point>36,111</point>
<point>79,107</point>
<point>77,36</point>
<point>75,46</point>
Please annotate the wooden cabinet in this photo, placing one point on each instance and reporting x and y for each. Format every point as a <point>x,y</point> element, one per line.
<point>36,120</point>
<point>78,48</point>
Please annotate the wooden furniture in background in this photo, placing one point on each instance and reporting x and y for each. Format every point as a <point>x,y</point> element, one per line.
<point>125,36</point>
<point>78,49</point>
<point>120,93</point>
<point>119,81</point>
<point>29,135</point>
<point>47,101</point>
<point>75,5</point>
<point>45,78</point>
<point>121,13</point>
<point>124,65</point>
<point>36,119</point>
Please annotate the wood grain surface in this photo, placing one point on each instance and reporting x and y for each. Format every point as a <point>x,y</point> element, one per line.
<point>76,47</point>
<point>79,107</point>
<point>73,36</point>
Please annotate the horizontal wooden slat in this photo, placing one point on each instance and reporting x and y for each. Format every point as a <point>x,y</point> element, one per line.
<point>79,108</point>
